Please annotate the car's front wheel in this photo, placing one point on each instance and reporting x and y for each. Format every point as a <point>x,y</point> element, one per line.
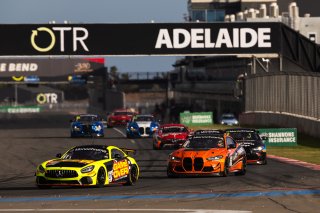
<point>132,176</point>
<point>101,177</point>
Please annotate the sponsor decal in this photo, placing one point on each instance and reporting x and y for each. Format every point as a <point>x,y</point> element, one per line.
<point>21,78</point>
<point>20,109</point>
<point>120,169</point>
<point>78,36</point>
<point>280,136</point>
<point>180,38</point>
<point>83,67</point>
<point>18,67</point>
<point>47,98</point>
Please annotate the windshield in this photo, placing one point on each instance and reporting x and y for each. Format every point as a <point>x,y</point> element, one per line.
<point>174,129</point>
<point>244,135</point>
<point>143,118</point>
<point>228,117</point>
<point>205,143</point>
<point>86,153</point>
<point>123,113</point>
<point>86,118</point>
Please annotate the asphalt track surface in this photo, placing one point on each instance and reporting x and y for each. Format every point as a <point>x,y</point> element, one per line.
<point>27,140</point>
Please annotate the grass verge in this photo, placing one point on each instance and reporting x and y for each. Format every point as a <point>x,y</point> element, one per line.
<point>308,149</point>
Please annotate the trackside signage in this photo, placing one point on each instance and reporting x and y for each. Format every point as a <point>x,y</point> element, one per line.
<point>140,39</point>
<point>196,118</point>
<point>19,109</point>
<point>280,137</point>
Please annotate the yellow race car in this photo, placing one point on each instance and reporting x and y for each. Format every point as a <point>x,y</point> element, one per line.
<point>89,165</point>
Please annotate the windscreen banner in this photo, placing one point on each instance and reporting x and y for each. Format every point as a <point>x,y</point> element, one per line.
<point>196,118</point>
<point>140,39</point>
<point>279,136</point>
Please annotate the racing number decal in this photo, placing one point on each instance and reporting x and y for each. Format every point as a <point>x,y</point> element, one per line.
<point>120,169</point>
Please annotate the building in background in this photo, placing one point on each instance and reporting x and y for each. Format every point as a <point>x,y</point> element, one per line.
<point>213,83</point>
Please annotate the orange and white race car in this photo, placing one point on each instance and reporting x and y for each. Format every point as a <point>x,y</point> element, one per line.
<point>208,154</point>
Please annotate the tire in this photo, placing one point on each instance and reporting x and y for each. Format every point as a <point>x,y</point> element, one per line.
<point>225,171</point>
<point>40,186</point>
<point>128,136</point>
<point>133,176</point>
<point>101,178</point>
<point>170,174</point>
<point>243,169</point>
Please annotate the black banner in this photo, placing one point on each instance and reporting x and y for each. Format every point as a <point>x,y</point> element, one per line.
<point>18,68</point>
<point>139,39</point>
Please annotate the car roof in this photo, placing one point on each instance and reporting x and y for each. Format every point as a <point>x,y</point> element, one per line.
<point>92,146</point>
<point>209,132</point>
<point>92,115</point>
<point>241,130</point>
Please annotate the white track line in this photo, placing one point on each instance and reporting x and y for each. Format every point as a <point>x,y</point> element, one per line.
<point>124,135</point>
<point>126,210</point>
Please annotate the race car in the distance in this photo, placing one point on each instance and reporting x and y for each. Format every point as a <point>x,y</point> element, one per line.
<point>142,126</point>
<point>119,117</point>
<point>85,125</point>
<point>208,155</point>
<point>88,165</point>
<point>251,142</point>
<point>170,135</point>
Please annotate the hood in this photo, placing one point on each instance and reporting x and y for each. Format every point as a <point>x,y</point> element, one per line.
<point>68,163</point>
<point>185,152</point>
<point>170,136</point>
<point>144,123</point>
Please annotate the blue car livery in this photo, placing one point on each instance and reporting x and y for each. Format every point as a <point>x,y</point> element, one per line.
<point>87,125</point>
<point>142,126</point>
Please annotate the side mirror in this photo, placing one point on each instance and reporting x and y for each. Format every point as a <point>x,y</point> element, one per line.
<point>58,155</point>
<point>264,138</point>
<point>231,146</point>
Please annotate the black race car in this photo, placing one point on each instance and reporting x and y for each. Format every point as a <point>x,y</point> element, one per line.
<point>253,144</point>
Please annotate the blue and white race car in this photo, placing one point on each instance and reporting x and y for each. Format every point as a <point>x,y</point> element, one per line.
<point>142,126</point>
<point>86,125</point>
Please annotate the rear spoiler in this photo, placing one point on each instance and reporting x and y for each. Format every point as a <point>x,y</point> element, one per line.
<point>127,151</point>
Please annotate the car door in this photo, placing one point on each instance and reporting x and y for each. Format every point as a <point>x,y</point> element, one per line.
<point>120,168</point>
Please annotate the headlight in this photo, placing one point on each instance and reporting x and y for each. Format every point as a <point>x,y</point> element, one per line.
<point>236,122</point>
<point>133,129</point>
<point>222,122</point>
<point>215,158</point>
<point>41,169</point>
<point>76,128</point>
<point>259,148</point>
<point>87,169</point>
<point>97,128</point>
<point>174,158</point>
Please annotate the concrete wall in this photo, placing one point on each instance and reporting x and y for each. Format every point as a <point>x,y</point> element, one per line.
<point>304,125</point>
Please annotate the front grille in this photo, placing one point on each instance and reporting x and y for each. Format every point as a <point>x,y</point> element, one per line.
<point>141,130</point>
<point>61,174</point>
<point>148,130</point>
<point>86,128</point>
<point>187,164</point>
<point>198,164</point>
<point>207,169</point>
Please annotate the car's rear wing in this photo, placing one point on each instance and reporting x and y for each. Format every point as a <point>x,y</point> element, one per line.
<point>127,151</point>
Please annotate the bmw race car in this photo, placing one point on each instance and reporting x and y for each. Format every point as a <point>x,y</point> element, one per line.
<point>170,135</point>
<point>252,143</point>
<point>89,165</point>
<point>206,154</point>
<point>142,126</point>
<point>87,125</point>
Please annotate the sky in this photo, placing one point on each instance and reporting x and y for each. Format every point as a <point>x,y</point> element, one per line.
<point>101,11</point>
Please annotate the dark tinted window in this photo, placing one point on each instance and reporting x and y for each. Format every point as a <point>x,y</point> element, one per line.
<point>87,153</point>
